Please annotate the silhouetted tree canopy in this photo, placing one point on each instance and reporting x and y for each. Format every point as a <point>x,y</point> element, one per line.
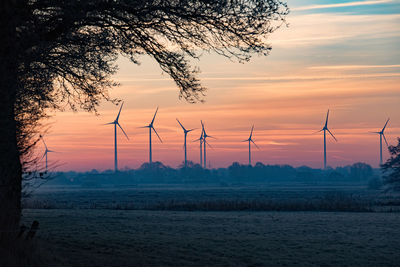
<point>392,168</point>
<point>63,53</point>
<point>68,49</point>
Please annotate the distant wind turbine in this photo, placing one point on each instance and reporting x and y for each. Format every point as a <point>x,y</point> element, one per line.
<point>325,128</point>
<point>382,134</point>
<point>205,143</point>
<point>116,122</point>
<point>200,139</point>
<point>151,127</point>
<point>250,140</point>
<point>185,133</point>
<point>45,151</point>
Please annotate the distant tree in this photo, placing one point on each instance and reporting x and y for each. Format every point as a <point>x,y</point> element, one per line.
<point>58,53</point>
<point>259,165</point>
<point>391,168</point>
<point>360,171</point>
<point>192,172</point>
<point>236,171</point>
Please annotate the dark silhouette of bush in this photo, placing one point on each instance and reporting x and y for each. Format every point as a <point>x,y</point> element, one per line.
<point>391,168</point>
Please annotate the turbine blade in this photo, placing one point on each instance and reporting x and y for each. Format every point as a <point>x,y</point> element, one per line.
<point>119,111</point>
<point>327,117</point>
<point>157,134</point>
<point>385,139</point>
<point>123,131</point>
<point>318,131</point>
<point>251,133</point>
<point>44,142</point>
<point>144,127</point>
<point>181,125</point>
<point>247,140</point>
<point>108,123</point>
<point>191,130</point>
<point>154,117</point>
<point>202,127</point>
<point>385,125</point>
<point>332,135</point>
<point>375,132</point>
<point>208,144</point>
<point>44,154</point>
<point>254,144</point>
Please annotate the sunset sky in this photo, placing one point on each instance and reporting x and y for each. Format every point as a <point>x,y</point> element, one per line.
<point>341,55</point>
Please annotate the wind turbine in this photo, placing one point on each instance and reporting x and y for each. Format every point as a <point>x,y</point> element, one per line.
<point>185,132</point>
<point>45,151</point>
<point>250,140</point>
<point>115,122</point>
<point>325,128</point>
<point>151,127</point>
<point>381,133</point>
<point>200,139</point>
<point>205,136</point>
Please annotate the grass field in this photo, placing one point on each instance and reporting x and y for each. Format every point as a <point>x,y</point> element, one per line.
<point>249,197</point>
<point>98,237</point>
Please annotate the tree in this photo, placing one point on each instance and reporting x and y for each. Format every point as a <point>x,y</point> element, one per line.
<point>63,53</point>
<point>392,168</point>
<point>360,171</point>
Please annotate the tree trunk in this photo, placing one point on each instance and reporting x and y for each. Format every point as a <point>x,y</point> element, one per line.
<point>10,165</point>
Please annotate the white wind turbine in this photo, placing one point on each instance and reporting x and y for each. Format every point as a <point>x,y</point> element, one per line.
<point>382,134</point>
<point>325,128</point>
<point>45,151</point>
<point>185,133</point>
<point>250,140</point>
<point>205,136</point>
<point>151,127</point>
<point>116,122</point>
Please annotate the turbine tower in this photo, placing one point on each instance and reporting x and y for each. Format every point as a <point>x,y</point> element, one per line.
<point>250,140</point>
<point>382,134</point>
<point>205,136</point>
<point>116,122</point>
<point>185,133</point>
<point>45,151</point>
<point>151,127</point>
<point>325,128</point>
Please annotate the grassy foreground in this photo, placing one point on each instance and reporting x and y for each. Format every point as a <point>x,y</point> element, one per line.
<point>178,238</point>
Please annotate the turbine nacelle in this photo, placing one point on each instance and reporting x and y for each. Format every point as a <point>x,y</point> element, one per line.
<point>325,128</point>
<point>183,128</point>
<point>151,126</point>
<point>250,139</point>
<point>116,121</point>
<point>382,132</point>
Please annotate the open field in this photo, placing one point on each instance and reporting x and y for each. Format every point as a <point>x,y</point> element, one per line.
<point>209,198</point>
<point>94,237</point>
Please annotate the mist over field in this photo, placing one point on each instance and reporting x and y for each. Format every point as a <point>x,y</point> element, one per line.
<point>239,216</point>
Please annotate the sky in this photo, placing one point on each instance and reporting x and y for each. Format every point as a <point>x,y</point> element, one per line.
<point>337,55</point>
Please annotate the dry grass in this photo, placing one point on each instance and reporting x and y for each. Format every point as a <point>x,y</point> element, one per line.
<point>32,253</point>
<point>208,199</point>
<point>171,238</point>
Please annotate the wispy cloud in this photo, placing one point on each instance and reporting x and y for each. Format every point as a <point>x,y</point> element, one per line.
<point>270,78</point>
<point>335,28</point>
<point>341,67</point>
<point>348,4</point>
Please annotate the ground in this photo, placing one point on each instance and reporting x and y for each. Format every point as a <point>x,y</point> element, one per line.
<point>105,237</point>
